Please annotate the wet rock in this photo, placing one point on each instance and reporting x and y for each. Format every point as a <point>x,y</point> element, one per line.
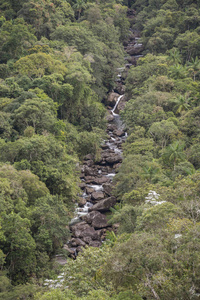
<point>103,205</point>
<point>100,180</point>
<point>118,132</point>
<point>97,196</point>
<point>120,88</point>
<point>87,171</point>
<point>112,99</point>
<point>89,190</point>
<point>81,201</point>
<point>89,179</point>
<point>109,118</point>
<point>111,127</point>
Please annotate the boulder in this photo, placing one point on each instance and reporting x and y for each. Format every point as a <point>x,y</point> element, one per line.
<point>103,205</point>
<point>68,249</point>
<point>89,190</point>
<point>97,196</point>
<point>104,147</point>
<point>109,118</point>
<point>81,201</point>
<point>118,132</point>
<point>112,99</point>
<point>75,242</point>
<point>100,180</point>
<point>82,230</point>
<point>88,171</point>
<point>111,127</point>
<point>96,220</point>
<point>113,159</point>
<point>82,185</point>
<point>95,243</point>
<point>89,163</point>
<point>107,188</point>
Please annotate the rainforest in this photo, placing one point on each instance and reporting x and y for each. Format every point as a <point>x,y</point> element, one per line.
<point>100,149</point>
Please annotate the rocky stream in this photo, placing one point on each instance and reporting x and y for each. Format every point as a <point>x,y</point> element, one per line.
<point>90,223</point>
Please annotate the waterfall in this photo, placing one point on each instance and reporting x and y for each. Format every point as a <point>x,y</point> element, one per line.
<point>116,104</point>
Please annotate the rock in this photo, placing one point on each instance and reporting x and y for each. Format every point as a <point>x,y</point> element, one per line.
<point>107,188</point>
<point>101,180</point>
<point>89,157</point>
<point>100,221</point>
<point>87,171</point>
<point>79,249</point>
<point>118,132</point>
<point>89,190</point>
<point>68,249</point>
<point>75,242</point>
<point>82,230</point>
<point>113,159</point>
<point>87,239</point>
<point>135,49</point>
<point>104,147</point>
<point>109,118</point>
<point>96,219</point>
<point>97,196</point>
<point>103,205</point>
<point>111,127</point>
<point>120,88</point>
<point>82,185</point>
<point>112,99</point>
<point>89,163</point>
<point>94,243</point>
<point>81,201</point>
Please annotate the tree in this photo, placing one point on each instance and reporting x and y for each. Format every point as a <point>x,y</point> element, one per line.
<point>39,64</point>
<point>178,71</point>
<point>45,16</point>
<point>174,56</point>
<point>163,132</point>
<point>79,7</point>
<point>194,67</point>
<point>174,152</point>
<point>36,112</point>
<point>181,103</point>
<point>17,37</point>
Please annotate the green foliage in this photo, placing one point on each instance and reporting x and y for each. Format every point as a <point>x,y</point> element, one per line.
<point>55,71</point>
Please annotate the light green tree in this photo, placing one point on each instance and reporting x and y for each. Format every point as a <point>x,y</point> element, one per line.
<point>174,152</point>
